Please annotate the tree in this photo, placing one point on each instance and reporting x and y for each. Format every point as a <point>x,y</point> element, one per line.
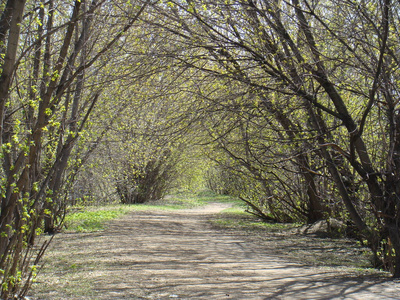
<point>338,62</point>
<point>50,50</point>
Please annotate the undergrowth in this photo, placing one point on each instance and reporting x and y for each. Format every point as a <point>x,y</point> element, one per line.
<point>238,218</point>
<point>283,240</point>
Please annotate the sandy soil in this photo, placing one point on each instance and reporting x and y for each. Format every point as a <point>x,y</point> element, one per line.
<point>180,255</point>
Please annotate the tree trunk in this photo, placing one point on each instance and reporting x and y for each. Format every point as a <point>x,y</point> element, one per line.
<point>8,66</point>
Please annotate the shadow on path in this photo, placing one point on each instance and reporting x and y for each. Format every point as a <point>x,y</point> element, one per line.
<point>178,255</point>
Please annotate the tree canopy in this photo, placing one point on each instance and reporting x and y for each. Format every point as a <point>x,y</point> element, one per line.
<point>292,106</point>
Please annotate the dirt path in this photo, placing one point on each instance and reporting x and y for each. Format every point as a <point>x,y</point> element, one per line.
<point>178,255</point>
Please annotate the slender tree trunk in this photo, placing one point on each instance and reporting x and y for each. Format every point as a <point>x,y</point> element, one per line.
<point>8,67</point>
<point>316,208</point>
<point>391,212</point>
<point>5,21</point>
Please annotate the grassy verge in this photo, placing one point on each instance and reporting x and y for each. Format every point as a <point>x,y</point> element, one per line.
<point>94,218</point>
<point>283,240</point>
<point>237,218</point>
<point>90,219</point>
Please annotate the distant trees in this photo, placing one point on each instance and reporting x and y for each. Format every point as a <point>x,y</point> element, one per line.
<point>143,155</point>
<point>142,151</point>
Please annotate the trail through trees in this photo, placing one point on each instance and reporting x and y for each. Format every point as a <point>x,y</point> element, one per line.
<point>180,255</point>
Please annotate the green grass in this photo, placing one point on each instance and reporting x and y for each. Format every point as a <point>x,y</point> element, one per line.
<point>95,218</point>
<point>236,210</point>
<point>249,225</point>
<point>280,239</point>
<point>88,221</point>
<point>238,218</point>
<point>189,199</point>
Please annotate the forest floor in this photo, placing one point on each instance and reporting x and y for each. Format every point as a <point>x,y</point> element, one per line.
<point>183,254</point>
